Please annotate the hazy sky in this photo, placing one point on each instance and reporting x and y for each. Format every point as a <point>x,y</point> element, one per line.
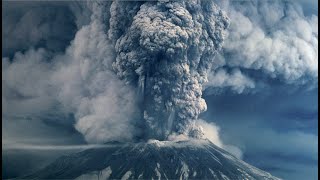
<point>263,101</point>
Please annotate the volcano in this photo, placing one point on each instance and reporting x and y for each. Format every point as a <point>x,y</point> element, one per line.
<point>192,159</point>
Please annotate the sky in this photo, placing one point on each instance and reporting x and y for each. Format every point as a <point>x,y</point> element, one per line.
<point>261,94</point>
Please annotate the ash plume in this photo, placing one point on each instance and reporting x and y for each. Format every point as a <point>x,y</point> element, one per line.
<point>158,51</point>
<point>166,48</point>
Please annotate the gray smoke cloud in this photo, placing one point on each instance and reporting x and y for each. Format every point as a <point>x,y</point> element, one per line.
<point>166,49</point>
<point>274,39</point>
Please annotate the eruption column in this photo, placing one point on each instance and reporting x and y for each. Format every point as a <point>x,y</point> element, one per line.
<point>166,49</point>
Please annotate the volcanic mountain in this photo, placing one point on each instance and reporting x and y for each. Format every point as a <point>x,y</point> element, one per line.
<point>192,159</point>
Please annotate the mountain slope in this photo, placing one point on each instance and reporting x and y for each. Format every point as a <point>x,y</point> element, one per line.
<point>152,160</point>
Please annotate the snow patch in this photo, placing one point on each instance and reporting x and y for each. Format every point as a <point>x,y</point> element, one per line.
<point>223,176</point>
<point>184,171</point>
<point>200,143</point>
<point>158,174</point>
<point>213,173</point>
<point>140,176</point>
<point>126,175</point>
<point>96,175</point>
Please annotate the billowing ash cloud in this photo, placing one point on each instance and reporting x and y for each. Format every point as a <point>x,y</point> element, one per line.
<point>273,39</point>
<point>135,69</point>
<point>166,49</point>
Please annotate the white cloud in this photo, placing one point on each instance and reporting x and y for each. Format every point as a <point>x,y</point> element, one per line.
<point>235,80</point>
<point>211,132</point>
<point>274,38</point>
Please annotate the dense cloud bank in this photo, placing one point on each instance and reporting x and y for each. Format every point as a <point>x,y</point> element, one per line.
<point>273,39</point>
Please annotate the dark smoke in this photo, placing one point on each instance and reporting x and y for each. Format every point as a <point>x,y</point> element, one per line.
<point>166,48</point>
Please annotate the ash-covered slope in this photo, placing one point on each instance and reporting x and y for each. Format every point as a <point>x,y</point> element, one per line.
<point>152,160</point>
